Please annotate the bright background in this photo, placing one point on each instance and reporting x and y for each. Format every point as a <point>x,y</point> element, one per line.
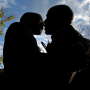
<point>81,9</point>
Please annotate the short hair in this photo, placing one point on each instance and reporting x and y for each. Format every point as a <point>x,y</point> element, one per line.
<point>29,15</point>
<point>62,12</point>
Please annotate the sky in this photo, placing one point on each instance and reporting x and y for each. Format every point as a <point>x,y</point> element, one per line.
<point>81,9</point>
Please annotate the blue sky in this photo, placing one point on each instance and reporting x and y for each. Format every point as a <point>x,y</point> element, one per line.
<point>81,9</point>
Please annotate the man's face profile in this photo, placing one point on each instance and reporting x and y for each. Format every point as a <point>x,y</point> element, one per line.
<point>50,23</point>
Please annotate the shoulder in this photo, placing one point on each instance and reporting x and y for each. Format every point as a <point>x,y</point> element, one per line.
<point>74,31</point>
<point>16,25</point>
<point>13,26</point>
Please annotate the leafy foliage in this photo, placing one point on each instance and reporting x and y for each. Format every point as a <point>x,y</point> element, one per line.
<point>4,19</point>
<point>1,60</point>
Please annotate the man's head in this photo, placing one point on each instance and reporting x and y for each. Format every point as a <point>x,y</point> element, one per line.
<point>58,17</point>
<point>33,21</point>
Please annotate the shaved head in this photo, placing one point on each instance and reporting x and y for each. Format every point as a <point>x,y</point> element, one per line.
<point>61,12</point>
<point>57,17</point>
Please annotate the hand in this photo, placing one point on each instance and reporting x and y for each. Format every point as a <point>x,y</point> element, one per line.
<point>86,46</point>
<point>39,49</point>
<point>1,72</point>
<point>48,46</point>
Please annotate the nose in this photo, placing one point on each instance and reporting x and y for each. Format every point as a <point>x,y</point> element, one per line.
<point>42,23</point>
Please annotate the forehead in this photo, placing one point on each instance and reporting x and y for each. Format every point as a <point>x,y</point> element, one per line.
<point>38,17</point>
<point>35,18</point>
<point>49,14</point>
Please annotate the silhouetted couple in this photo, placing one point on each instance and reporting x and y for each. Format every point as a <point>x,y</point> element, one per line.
<point>66,53</point>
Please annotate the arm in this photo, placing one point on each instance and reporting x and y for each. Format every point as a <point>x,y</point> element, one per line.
<point>66,60</point>
<point>1,73</point>
<point>72,56</point>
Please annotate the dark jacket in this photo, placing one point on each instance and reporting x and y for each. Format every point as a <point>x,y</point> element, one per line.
<point>65,37</point>
<point>18,42</point>
<point>43,68</point>
<point>67,40</point>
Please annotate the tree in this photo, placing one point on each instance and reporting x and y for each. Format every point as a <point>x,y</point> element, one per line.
<point>84,28</point>
<point>4,19</point>
<point>2,57</point>
<point>80,28</point>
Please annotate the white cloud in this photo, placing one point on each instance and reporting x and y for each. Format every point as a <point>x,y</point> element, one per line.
<point>5,3</point>
<point>62,2</point>
<point>1,46</point>
<point>4,31</point>
<point>46,39</point>
<point>1,53</point>
<point>35,36</point>
<point>78,8</point>
<point>41,7</point>
<point>81,11</point>
<point>13,2</point>
<point>42,48</point>
<point>23,7</point>
<point>1,42</point>
<point>40,45</point>
<point>42,36</point>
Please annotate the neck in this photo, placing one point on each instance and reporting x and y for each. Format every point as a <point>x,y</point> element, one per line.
<point>60,29</point>
<point>30,31</point>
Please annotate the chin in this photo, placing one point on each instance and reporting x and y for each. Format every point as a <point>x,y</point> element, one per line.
<point>47,31</point>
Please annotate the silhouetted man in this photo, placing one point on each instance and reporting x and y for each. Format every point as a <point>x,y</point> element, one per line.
<point>59,24</point>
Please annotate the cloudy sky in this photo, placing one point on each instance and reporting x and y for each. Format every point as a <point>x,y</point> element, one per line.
<point>81,9</point>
